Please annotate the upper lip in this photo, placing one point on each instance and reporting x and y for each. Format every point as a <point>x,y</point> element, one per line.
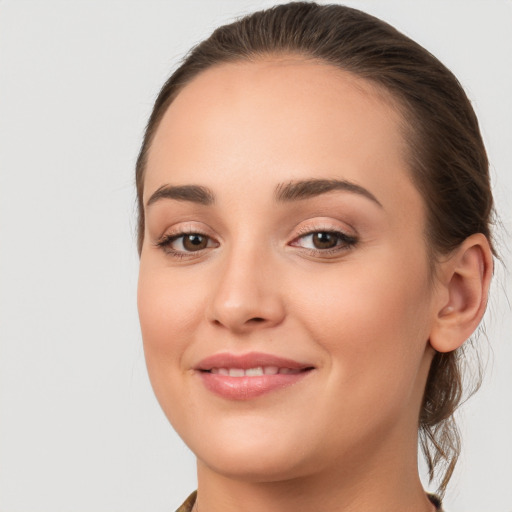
<point>248,360</point>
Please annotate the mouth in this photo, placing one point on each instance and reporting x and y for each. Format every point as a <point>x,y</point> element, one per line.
<point>247,376</point>
<point>256,371</point>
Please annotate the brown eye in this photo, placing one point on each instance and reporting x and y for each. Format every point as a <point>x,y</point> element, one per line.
<point>185,243</point>
<point>324,240</point>
<point>194,242</point>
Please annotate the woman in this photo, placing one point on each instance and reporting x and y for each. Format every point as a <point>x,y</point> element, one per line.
<point>315,246</point>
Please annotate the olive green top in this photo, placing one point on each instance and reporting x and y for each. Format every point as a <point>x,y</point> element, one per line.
<point>188,504</point>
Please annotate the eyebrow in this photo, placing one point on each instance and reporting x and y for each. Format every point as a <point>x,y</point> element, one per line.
<point>193,193</point>
<point>304,189</point>
<point>285,192</point>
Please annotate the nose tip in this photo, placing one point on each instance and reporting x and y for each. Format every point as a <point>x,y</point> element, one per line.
<point>247,316</point>
<point>246,299</point>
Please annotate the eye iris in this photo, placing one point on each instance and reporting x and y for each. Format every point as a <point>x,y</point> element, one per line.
<point>325,240</point>
<point>194,242</point>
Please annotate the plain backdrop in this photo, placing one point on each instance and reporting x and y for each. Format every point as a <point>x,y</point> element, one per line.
<point>80,430</point>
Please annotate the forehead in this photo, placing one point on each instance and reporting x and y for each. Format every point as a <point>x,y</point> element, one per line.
<point>280,119</point>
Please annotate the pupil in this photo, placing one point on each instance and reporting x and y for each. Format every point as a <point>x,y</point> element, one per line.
<point>324,240</point>
<point>194,242</point>
<point>195,239</point>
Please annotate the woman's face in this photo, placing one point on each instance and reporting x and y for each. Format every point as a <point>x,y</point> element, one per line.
<point>284,291</point>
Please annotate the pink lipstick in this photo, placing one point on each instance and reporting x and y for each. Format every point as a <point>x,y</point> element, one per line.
<point>246,376</point>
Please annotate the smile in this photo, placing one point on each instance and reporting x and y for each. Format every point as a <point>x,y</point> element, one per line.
<point>255,372</point>
<point>248,376</point>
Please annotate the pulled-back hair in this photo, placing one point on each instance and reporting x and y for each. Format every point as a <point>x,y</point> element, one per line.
<point>446,154</point>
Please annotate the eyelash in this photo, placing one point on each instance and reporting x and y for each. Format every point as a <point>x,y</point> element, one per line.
<point>165,244</point>
<point>344,242</point>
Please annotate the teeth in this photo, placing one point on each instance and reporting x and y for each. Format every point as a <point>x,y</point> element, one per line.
<point>288,370</point>
<point>254,372</point>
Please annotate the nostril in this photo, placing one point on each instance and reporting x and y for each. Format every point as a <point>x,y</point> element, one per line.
<point>255,320</point>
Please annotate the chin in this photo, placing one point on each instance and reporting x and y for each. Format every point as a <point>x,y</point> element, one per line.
<point>250,466</point>
<point>253,455</point>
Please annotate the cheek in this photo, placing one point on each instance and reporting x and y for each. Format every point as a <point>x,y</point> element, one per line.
<point>373,331</point>
<point>169,307</point>
<point>371,317</point>
<point>167,303</point>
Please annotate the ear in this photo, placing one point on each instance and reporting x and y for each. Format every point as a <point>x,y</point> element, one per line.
<point>463,289</point>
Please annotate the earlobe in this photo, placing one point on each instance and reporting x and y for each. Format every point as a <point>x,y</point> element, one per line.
<point>466,276</point>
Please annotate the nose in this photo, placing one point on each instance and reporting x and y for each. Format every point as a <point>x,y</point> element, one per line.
<point>247,295</point>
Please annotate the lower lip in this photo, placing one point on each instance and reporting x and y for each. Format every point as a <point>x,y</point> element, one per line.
<point>245,388</point>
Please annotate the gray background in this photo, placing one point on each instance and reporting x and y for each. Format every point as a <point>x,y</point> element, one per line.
<point>80,430</point>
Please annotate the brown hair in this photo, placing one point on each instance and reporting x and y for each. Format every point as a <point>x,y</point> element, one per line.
<point>447,157</point>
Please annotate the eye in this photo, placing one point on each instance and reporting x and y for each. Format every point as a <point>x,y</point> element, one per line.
<point>183,243</point>
<point>325,241</point>
<point>193,242</point>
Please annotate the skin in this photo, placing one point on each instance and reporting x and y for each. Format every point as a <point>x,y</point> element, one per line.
<point>344,437</point>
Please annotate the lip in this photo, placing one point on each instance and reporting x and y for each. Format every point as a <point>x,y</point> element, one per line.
<point>248,387</point>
